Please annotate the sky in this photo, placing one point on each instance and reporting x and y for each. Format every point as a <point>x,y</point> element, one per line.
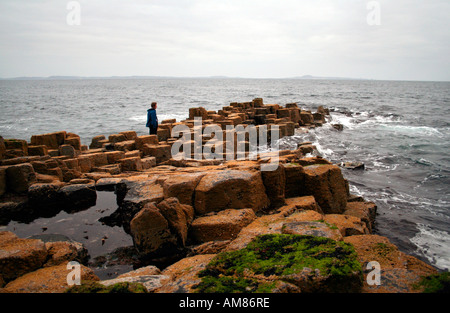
<point>386,39</point>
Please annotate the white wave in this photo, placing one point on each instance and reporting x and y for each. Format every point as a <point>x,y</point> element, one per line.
<point>324,152</point>
<point>364,114</point>
<point>434,245</point>
<point>347,121</point>
<point>166,116</point>
<point>425,162</point>
<point>413,130</point>
<point>382,167</point>
<point>356,191</point>
<point>139,118</point>
<point>378,120</point>
<point>142,118</point>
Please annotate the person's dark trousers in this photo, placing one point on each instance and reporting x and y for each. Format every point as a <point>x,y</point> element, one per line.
<point>153,130</point>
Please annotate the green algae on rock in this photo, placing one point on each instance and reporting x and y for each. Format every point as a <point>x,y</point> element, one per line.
<point>305,263</point>
<point>437,283</point>
<point>95,287</point>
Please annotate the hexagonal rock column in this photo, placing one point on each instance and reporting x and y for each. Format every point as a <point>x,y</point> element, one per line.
<point>223,225</point>
<point>230,189</point>
<point>150,231</point>
<point>20,177</point>
<point>327,185</point>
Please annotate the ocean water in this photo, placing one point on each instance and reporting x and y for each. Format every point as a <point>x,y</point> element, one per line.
<point>399,130</point>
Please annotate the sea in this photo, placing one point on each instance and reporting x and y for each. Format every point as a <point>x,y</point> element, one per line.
<point>400,130</point>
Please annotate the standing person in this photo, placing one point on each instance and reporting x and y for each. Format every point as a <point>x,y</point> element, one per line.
<point>152,119</point>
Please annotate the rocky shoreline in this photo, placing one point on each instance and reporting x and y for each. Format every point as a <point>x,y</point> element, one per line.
<point>191,217</point>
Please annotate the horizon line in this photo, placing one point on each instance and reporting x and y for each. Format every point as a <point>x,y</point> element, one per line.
<point>304,77</point>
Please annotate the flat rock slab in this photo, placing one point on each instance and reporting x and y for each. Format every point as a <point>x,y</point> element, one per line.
<point>399,271</point>
<point>47,280</point>
<point>78,196</point>
<point>141,192</point>
<point>317,229</point>
<point>182,186</point>
<point>223,225</point>
<point>19,256</point>
<point>151,282</point>
<point>183,275</point>
<point>348,225</point>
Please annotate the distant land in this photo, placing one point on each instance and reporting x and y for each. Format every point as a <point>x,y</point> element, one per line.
<point>171,77</point>
<point>327,78</point>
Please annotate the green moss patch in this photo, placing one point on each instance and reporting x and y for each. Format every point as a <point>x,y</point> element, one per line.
<point>94,287</point>
<point>330,226</point>
<point>329,266</point>
<point>438,283</point>
<point>383,249</point>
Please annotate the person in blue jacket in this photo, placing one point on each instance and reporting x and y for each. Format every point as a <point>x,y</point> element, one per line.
<point>152,119</point>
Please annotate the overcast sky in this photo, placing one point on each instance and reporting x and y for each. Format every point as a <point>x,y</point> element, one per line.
<point>246,38</point>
